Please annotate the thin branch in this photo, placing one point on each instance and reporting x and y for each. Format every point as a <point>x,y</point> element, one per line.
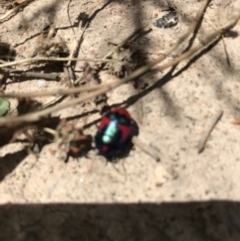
<point>147,149</point>
<point>76,47</point>
<point>31,60</point>
<point>132,36</point>
<point>191,28</point>
<point>15,10</point>
<point>226,52</point>
<point>204,43</point>
<point>135,74</point>
<point>208,129</point>
<point>169,51</point>
<point>58,92</point>
<point>73,54</point>
<point>28,74</point>
<point>105,88</point>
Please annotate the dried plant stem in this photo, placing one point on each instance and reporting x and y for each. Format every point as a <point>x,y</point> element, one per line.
<point>38,114</point>
<point>191,28</point>
<point>73,54</point>
<point>66,71</point>
<point>76,47</point>
<point>15,10</point>
<point>105,88</point>
<point>208,129</point>
<point>58,92</point>
<point>49,76</point>
<point>146,68</point>
<point>31,60</point>
<point>135,74</point>
<point>50,131</point>
<point>82,89</point>
<point>169,51</point>
<point>51,101</point>
<point>204,43</point>
<point>147,149</point>
<point>132,36</point>
<point>226,52</point>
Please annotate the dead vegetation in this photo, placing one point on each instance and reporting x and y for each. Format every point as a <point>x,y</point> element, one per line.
<point>124,61</point>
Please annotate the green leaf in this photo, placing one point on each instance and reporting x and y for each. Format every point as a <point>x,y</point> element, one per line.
<point>4,106</point>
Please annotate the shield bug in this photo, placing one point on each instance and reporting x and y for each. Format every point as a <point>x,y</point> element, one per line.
<point>114,133</point>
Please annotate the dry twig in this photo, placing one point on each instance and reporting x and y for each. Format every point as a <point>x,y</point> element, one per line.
<point>132,36</point>
<point>105,88</point>
<point>59,92</point>
<point>208,129</point>
<point>15,10</point>
<point>206,42</point>
<point>35,75</point>
<point>37,59</point>
<point>147,149</point>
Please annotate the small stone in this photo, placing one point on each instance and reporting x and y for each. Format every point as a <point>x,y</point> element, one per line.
<point>147,110</point>
<point>161,176</point>
<point>174,156</point>
<point>41,83</point>
<point>219,85</point>
<point>149,99</point>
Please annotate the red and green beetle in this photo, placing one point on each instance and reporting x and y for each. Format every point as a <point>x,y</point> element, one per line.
<point>114,133</point>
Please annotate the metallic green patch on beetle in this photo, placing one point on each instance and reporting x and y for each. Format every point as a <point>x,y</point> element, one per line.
<point>110,132</point>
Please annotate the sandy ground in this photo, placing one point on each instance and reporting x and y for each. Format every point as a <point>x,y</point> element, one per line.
<point>185,196</point>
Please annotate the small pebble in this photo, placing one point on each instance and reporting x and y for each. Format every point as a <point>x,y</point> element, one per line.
<point>147,110</point>
<point>173,153</point>
<point>41,83</point>
<point>161,175</point>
